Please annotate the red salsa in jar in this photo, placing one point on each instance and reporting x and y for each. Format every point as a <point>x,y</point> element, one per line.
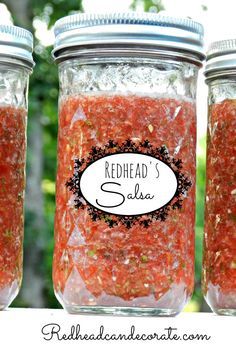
<point>220,217</point>
<point>12,185</point>
<point>95,264</point>
<point>16,63</point>
<point>219,268</point>
<point>125,190</point>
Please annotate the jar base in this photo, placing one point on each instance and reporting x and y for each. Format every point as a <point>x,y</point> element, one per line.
<point>224,311</point>
<point>123,311</point>
<point>9,293</point>
<point>220,302</point>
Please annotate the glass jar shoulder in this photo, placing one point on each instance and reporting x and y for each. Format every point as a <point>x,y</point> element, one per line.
<point>150,77</point>
<point>14,86</point>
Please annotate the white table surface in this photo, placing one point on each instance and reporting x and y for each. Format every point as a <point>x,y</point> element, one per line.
<point>23,326</point>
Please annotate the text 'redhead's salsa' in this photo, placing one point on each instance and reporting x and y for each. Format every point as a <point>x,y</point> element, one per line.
<point>219,275</point>
<point>12,184</point>
<point>97,264</point>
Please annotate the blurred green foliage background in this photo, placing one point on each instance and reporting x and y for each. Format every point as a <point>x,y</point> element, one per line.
<point>37,288</point>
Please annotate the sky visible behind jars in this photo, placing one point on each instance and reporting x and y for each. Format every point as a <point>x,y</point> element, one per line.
<point>218,18</point>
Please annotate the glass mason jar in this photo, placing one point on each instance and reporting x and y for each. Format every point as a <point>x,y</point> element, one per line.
<point>15,66</point>
<point>125,191</point>
<point>219,263</point>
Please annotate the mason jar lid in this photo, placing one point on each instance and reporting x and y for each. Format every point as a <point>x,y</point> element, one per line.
<point>221,59</point>
<point>16,43</point>
<point>180,37</point>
